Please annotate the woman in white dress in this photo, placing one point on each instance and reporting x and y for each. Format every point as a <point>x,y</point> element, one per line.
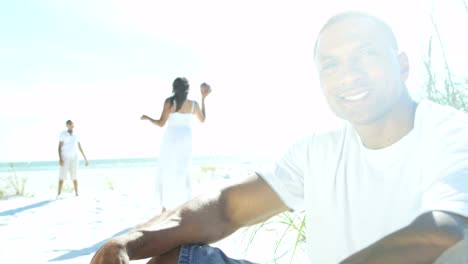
<point>173,183</point>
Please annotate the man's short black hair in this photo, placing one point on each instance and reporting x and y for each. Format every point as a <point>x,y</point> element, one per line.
<point>380,24</point>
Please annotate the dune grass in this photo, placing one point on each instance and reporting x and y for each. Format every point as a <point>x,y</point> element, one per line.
<point>14,184</point>
<point>288,224</point>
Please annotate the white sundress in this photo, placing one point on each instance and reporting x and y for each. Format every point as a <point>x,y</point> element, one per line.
<point>173,183</point>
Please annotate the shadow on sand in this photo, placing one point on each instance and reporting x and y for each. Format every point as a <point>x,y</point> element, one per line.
<point>24,208</point>
<point>86,251</point>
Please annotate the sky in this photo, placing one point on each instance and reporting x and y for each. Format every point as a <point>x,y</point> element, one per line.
<point>104,63</point>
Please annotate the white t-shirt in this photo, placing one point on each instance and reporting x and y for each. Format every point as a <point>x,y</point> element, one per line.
<point>69,148</point>
<point>354,196</point>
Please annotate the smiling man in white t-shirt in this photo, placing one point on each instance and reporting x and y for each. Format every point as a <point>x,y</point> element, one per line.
<point>390,186</point>
<point>69,145</point>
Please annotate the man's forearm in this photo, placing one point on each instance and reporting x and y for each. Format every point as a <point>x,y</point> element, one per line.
<point>198,221</point>
<point>82,153</point>
<point>421,242</point>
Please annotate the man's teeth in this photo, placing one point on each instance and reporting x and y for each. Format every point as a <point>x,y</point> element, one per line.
<point>356,96</point>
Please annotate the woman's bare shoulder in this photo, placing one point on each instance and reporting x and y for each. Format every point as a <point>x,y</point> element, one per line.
<point>168,103</point>
<point>193,101</point>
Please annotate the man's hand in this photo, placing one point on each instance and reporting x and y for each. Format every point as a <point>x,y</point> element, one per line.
<point>61,163</point>
<point>111,253</point>
<point>86,163</point>
<point>144,117</point>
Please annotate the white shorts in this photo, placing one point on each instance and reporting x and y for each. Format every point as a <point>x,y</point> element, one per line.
<point>70,165</point>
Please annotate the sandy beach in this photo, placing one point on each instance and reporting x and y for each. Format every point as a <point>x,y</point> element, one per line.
<point>38,228</point>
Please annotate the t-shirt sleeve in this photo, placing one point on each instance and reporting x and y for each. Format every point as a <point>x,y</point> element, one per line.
<point>61,137</point>
<point>449,191</point>
<point>286,175</point>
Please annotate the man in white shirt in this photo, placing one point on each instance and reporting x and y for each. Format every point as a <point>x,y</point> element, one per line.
<point>390,186</point>
<point>69,145</point>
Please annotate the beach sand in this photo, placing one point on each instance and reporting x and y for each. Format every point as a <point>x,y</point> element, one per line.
<point>39,228</point>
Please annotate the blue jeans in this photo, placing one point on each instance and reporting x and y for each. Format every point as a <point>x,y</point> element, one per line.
<point>203,254</point>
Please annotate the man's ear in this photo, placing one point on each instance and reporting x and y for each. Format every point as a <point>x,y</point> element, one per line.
<point>404,66</point>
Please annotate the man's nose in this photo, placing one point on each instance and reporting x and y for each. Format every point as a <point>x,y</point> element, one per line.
<point>351,76</point>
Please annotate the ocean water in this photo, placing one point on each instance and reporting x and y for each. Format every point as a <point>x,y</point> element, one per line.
<point>226,160</point>
<point>131,176</point>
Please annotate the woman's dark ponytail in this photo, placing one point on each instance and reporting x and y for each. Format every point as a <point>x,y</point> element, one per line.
<point>180,88</point>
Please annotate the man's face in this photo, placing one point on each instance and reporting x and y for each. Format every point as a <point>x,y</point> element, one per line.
<point>70,126</point>
<point>361,74</point>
